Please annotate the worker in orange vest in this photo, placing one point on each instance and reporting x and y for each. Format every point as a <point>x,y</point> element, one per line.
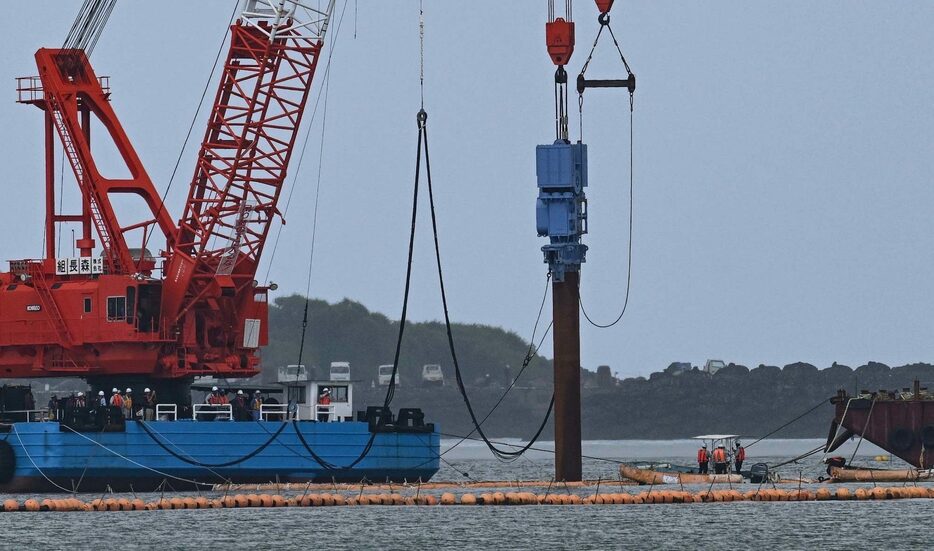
<point>324,399</point>
<point>739,456</point>
<point>719,460</point>
<point>703,459</point>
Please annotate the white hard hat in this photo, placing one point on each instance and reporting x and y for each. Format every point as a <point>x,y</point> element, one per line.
<point>325,389</point>
<point>100,393</point>
<point>257,391</point>
<point>213,389</point>
<point>115,390</point>
<point>146,389</point>
<point>129,390</point>
<point>240,392</point>
<point>80,394</point>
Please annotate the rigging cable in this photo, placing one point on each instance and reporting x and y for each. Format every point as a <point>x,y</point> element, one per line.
<point>301,155</point>
<point>604,20</point>
<point>817,405</point>
<point>194,119</point>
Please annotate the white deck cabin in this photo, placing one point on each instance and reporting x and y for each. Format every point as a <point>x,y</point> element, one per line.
<point>302,397</point>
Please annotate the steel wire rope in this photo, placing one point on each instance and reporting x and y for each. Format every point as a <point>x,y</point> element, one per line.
<point>817,405</point>
<point>191,126</point>
<point>301,154</point>
<point>629,248</point>
<point>604,20</point>
<point>804,455</point>
<point>28,456</point>
<point>138,464</point>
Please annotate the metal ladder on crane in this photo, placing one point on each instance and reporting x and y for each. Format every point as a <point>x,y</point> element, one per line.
<point>71,152</point>
<point>41,285</point>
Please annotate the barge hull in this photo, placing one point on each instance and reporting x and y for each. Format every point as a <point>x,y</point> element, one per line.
<point>187,454</point>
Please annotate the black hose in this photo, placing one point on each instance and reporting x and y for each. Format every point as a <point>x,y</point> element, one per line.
<point>212,465</point>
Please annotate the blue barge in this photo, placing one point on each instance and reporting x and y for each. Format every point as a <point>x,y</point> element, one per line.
<point>297,441</point>
<point>186,453</point>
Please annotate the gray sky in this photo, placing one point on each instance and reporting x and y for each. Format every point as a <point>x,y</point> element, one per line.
<point>783,166</point>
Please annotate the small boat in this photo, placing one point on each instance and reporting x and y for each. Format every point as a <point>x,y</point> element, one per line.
<point>648,476</point>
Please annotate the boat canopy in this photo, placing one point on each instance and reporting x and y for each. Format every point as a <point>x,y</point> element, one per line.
<point>715,437</point>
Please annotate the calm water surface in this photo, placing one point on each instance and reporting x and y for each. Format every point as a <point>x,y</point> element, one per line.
<point>785,525</point>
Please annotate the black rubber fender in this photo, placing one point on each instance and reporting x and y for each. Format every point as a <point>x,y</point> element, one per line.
<point>927,437</point>
<point>7,462</point>
<point>901,439</point>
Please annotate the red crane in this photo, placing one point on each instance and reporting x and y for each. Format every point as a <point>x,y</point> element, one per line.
<point>111,316</point>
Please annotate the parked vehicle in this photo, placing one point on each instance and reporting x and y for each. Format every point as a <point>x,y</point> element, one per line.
<point>340,371</point>
<point>385,374</point>
<point>432,374</point>
<point>712,366</point>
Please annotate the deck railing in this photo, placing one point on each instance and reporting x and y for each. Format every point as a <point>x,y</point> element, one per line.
<point>212,412</point>
<point>166,412</point>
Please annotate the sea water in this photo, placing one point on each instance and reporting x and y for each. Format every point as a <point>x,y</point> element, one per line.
<point>902,524</point>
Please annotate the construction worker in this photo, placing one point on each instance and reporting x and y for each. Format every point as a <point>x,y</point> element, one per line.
<point>128,412</point>
<point>739,456</point>
<point>149,405</point>
<point>256,405</point>
<point>240,411</point>
<point>324,403</point>
<point>53,408</point>
<point>703,459</point>
<point>719,460</point>
<point>101,399</point>
<point>116,400</point>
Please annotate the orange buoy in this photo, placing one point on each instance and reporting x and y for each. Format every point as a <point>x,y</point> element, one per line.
<point>279,501</point>
<point>396,499</point>
<point>31,505</point>
<point>265,500</point>
<point>241,500</point>
<point>823,494</point>
<point>843,494</point>
<point>339,500</point>
<point>880,493</point>
<point>861,494</point>
<point>448,498</point>
<point>499,498</point>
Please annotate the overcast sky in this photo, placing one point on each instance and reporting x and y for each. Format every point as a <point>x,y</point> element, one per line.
<point>784,155</point>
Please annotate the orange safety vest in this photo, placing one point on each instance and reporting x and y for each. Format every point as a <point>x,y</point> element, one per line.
<point>702,455</point>
<point>740,453</point>
<point>116,400</point>
<point>719,455</point>
<point>324,400</point>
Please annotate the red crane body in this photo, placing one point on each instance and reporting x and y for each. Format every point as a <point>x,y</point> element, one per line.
<point>109,315</point>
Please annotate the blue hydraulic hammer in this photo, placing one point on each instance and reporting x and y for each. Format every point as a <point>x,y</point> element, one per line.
<point>561,208</point>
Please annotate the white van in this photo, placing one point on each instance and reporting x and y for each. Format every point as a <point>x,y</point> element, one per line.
<point>432,374</point>
<point>385,373</point>
<point>340,371</point>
